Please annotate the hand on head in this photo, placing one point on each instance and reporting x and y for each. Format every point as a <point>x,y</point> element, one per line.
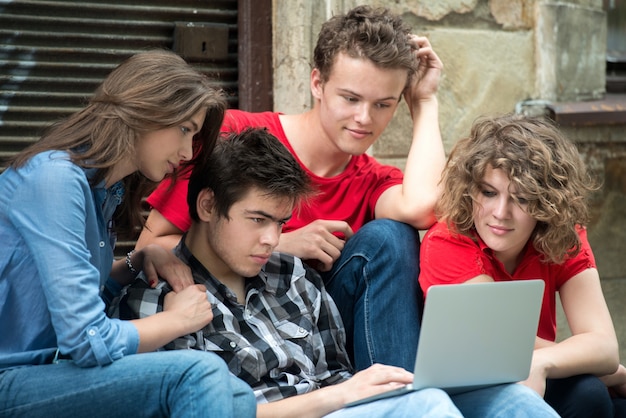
<point>425,82</point>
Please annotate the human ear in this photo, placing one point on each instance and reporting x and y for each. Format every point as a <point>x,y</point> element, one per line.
<point>317,85</point>
<point>205,204</point>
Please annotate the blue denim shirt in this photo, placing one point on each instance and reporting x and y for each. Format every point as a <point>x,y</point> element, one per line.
<point>56,256</point>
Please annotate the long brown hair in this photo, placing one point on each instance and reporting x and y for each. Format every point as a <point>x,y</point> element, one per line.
<point>149,91</point>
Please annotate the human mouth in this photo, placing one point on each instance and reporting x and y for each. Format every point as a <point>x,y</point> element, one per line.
<point>359,133</point>
<point>261,259</point>
<point>499,230</point>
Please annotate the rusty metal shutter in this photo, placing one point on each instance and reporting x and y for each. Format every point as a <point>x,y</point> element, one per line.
<point>53,54</point>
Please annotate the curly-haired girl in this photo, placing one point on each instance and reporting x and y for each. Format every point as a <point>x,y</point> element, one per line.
<point>514,207</point>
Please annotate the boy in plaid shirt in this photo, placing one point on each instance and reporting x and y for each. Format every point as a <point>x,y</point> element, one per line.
<point>274,323</point>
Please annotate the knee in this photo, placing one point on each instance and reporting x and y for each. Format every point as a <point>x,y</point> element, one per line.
<point>204,362</point>
<point>591,394</point>
<point>579,396</point>
<point>245,400</point>
<point>431,402</point>
<point>392,235</point>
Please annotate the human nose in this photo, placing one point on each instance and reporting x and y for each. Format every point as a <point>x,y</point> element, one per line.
<point>363,114</point>
<point>502,208</point>
<point>186,149</point>
<point>271,236</point>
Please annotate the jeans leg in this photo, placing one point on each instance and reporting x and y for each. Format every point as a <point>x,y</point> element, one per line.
<point>579,396</point>
<point>424,403</point>
<point>503,401</point>
<point>162,384</point>
<point>374,284</point>
<point>619,406</point>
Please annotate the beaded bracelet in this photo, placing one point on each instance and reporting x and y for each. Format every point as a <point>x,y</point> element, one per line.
<point>129,264</point>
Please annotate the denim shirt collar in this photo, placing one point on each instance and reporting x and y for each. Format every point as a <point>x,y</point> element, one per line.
<point>108,199</point>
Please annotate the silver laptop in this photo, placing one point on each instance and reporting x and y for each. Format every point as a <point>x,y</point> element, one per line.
<point>475,335</point>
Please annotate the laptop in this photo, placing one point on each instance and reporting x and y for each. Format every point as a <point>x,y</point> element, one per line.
<point>474,335</point>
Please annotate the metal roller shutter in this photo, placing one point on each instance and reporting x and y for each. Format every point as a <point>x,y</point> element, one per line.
<point>53,54</point>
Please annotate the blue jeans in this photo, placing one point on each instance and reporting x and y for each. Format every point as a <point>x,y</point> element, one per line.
<point>176,383</point>
<point>579,396</point>
<point>503,401</point>
<point>374,284</point>
<point>423,403</point>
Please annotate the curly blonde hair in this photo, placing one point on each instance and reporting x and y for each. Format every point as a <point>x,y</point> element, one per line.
<point>542,165</point>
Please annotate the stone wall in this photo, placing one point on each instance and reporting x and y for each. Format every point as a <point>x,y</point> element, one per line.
<point>499,56</point>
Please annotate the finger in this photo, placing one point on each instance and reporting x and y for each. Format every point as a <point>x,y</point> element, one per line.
<point>185,278</point>
<point>340,227</point>
<point>323,263</point>
<point>179,278</point>
<point>420,41</point>
<point>151,275</point>
<point>385,374</point>
<point>428,57</point>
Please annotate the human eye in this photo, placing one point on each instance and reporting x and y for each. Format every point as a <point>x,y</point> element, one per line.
<point>185,130</point>
<point>350,99</point>
<point>383,105</point>
<point>487,193</point>
<point>522,200</point>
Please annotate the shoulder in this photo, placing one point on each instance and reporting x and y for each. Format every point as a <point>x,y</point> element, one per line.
<point>441,234</point>
<point>51,160</point>
<point>441,244</point>
<point>284,271</point>
<point>237,120</point>
<point>52,172</point>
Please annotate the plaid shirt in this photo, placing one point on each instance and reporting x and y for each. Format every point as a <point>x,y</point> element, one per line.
<point>286,340</point>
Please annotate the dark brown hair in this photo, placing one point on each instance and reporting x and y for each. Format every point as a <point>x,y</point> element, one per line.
<point>369,33</point>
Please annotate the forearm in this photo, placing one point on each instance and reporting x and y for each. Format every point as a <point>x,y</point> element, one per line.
<point>591,353</point>
<point>414,201</point>
<point>426,159</point>
<point>166,241</point>
<point>310,405</point>
<point>157,330</point>
<point>158,230</point>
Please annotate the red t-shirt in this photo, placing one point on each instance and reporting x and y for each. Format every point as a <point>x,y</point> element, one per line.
<point>447,258</point>
<point>350,196</point>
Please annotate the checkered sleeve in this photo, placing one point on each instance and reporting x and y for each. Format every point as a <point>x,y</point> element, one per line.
<point>332,356</point>
<point>139,300</point>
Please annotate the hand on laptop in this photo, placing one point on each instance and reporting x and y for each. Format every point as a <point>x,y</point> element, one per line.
<point>372,381</point>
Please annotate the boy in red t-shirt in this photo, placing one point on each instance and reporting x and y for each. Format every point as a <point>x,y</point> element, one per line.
<point>360,230</point>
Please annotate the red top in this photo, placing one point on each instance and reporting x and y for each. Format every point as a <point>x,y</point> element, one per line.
<point>447,258</point>
<point>350,196</point>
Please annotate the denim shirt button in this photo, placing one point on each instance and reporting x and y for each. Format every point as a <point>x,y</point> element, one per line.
<point>91,332</point>
<point>102,244</point>
<point>233,344</point>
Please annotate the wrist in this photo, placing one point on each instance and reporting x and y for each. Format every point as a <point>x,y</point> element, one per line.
<point>129,263</point>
